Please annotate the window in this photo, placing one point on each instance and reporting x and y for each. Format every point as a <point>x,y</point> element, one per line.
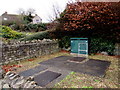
<point>37,20</point>
<point>5,19</point>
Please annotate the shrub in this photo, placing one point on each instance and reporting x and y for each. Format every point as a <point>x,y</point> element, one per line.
<point>42,26</point>
<point>15,27</point>
<point>64,42</point>
<point>35,27</point>
<point>95,45</point>
<point>7,32</point>
<point>39,35</point>
<point>98,45</point>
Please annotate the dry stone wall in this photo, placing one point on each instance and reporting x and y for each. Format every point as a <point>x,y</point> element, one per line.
<point>26,49</point>
<point>13,80</point>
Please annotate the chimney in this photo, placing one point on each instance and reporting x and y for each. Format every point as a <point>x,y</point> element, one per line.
<point>4,13</point>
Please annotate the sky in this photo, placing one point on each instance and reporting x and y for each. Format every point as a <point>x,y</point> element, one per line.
<point>44,8</point>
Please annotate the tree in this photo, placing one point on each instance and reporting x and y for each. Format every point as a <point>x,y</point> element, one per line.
<point>26,15</point>
<point>56,11</point>
<point>21,11</point>
<point>30,11</point>
<point>28,18</point>
<point>95,19</point>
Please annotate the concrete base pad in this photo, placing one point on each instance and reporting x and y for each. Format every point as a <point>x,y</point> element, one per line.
<point>90,66</point>
<point>77,59</point>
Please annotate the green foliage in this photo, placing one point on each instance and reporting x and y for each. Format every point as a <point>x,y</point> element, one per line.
<point>72,73</point>
<point>64,42</point>
<point>7,32</point>
<point>42,25</point>
<point>100,44</point>
<point>87,87</point>
<point>27,19</point>
<point>96,80</point>
<point>15,26</point>
<point>95,45</point>
<point>36,36</point>
<point>35,27</point>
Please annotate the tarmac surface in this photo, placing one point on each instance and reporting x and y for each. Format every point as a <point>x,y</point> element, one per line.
<point>52,71</point>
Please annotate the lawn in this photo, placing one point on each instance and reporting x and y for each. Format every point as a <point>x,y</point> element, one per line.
<point>79,80</point>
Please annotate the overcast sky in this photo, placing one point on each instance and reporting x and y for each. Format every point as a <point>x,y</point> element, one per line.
<point>43,7</point>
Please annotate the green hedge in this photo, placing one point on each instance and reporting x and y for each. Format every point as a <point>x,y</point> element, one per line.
<point>99,45</point>
<point>64,42</point>
<point>96,45</point>
<point>7,32</point>
<point>36,36</point>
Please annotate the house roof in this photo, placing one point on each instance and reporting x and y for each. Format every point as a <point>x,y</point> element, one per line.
<point>8,14</point>
<point>10,18</point>
<point>37,17</point>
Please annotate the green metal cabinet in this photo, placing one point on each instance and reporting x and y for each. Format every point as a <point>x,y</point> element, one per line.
<point>79,45</point>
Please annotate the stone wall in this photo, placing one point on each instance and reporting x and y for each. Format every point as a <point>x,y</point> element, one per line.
<point>21,50</point>
<point>12,80</point>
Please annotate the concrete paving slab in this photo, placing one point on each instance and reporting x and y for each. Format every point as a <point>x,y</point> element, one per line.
<point>32,71</point>
<point>44,78</point>
<point>91,66</point>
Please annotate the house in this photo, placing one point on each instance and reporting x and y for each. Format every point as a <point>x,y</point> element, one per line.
<point>6,18</point>
<point>36,19</point>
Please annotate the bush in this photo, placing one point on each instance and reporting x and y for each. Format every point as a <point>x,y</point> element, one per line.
<point>15,27</point>
<point>35,27</point>
<point>39,35</point>
<point>98,45</point>
<point>7,32</point>
<point>64,42</point>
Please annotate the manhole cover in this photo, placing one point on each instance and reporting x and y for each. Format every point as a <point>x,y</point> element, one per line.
<point>46,77</point>
<point>77,59</point>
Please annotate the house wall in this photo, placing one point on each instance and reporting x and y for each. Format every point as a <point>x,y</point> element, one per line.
<point>37,20</point>
<point>22,50</point>
<point>10,18</point>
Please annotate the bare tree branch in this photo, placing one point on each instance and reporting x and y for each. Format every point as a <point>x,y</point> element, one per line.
<point>21,11</point>
<point>30,11</point>
<point>56,10</point>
